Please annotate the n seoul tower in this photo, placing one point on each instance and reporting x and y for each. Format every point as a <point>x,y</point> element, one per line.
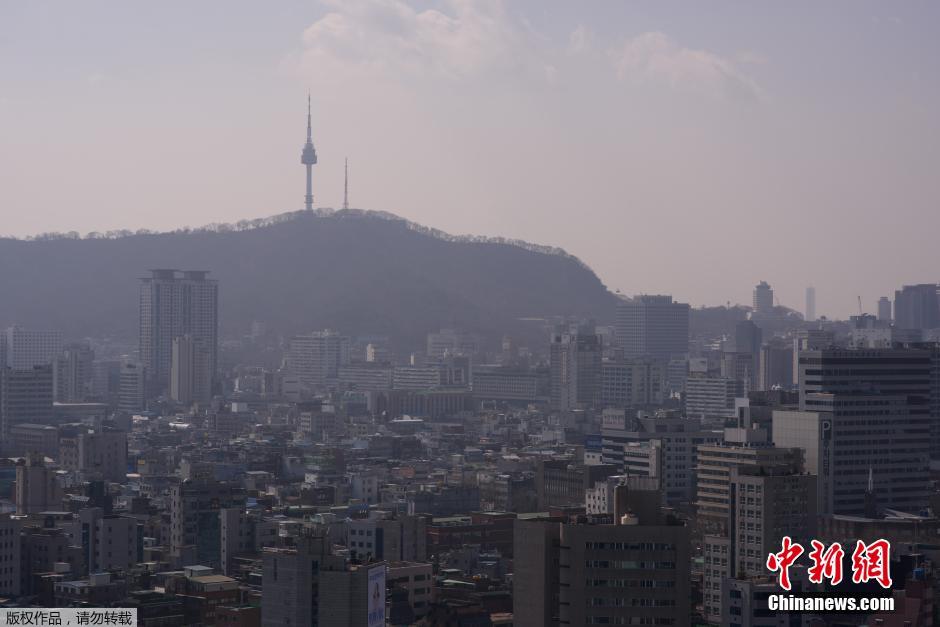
<point>309,158</point>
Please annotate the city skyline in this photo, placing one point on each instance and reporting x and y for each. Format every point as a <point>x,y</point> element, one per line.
<point>702,120</point>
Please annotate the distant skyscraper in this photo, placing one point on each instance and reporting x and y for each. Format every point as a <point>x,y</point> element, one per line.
<point>25,348</point>
<point>190,375</point>
<point>748,338</point>
<point>132,388</point>
<point>763,298</point>
<point>575,357</point>
<point>863,413</point>
<point>917,307</point>
<point>72,373</point>
<point>172,306</point>
<point>309,158</point>
<point>25,397</point>
<point>810,304</point>
<point>649,325</point>
<point>884,309</point>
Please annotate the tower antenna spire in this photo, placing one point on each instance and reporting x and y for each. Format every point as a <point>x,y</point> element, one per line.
<point>309,158</point>
<point>346,184</point>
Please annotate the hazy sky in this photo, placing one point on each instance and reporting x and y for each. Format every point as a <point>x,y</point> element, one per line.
<point>686,148</point>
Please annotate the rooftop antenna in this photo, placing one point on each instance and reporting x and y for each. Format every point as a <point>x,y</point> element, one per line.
<point>346,185</point>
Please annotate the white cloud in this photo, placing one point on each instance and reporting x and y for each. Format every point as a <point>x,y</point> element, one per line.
<point>472,37</point>
<point>654,57</point>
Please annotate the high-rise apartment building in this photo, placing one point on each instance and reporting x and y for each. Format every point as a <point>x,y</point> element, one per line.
<point>174,304</point>
<point>652,325</point>
<point>810,313</point>
<point>316,357</point>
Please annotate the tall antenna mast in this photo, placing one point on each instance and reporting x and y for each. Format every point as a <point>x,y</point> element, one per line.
<point>346,185</point>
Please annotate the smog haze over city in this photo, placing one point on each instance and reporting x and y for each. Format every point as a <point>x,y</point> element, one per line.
<point>645,138</point>
<point>469,313</point>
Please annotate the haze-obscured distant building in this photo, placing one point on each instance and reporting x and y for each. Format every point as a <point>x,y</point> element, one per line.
<point>25,397</point>
<point>763,301</point>
<point>575,355</point>
<point>174,304</point>
<point>917,307</point>
<point>25,348</point>
<point>317,357</point>
<point>652,325</point>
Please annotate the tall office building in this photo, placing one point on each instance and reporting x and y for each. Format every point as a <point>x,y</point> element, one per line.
<point>196,508</point>
<point>884,309</point>
<point>132,388</point>
<point>662,447</point>
<point>174,304</point>
<point>748,338</point>
<point>99,454</point>
<point>810,314</point>
<point>10,556</point>
<point>190,372</point>
<point>651,325</point>
<point>36,487</point>
<point>750,494</point>
<point>635,571</point>
<point>73,375</point>
<point>712,398</point>
<point>316,357</point>
<point>25,397</point>
<point>917,307</point>
<point>575,355</point>
<point>763,298</point>
<point>864,416</point>
<point>631,382</point>
<point>25,348</point>
<point>775,369</point>
<point>306,585</point>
